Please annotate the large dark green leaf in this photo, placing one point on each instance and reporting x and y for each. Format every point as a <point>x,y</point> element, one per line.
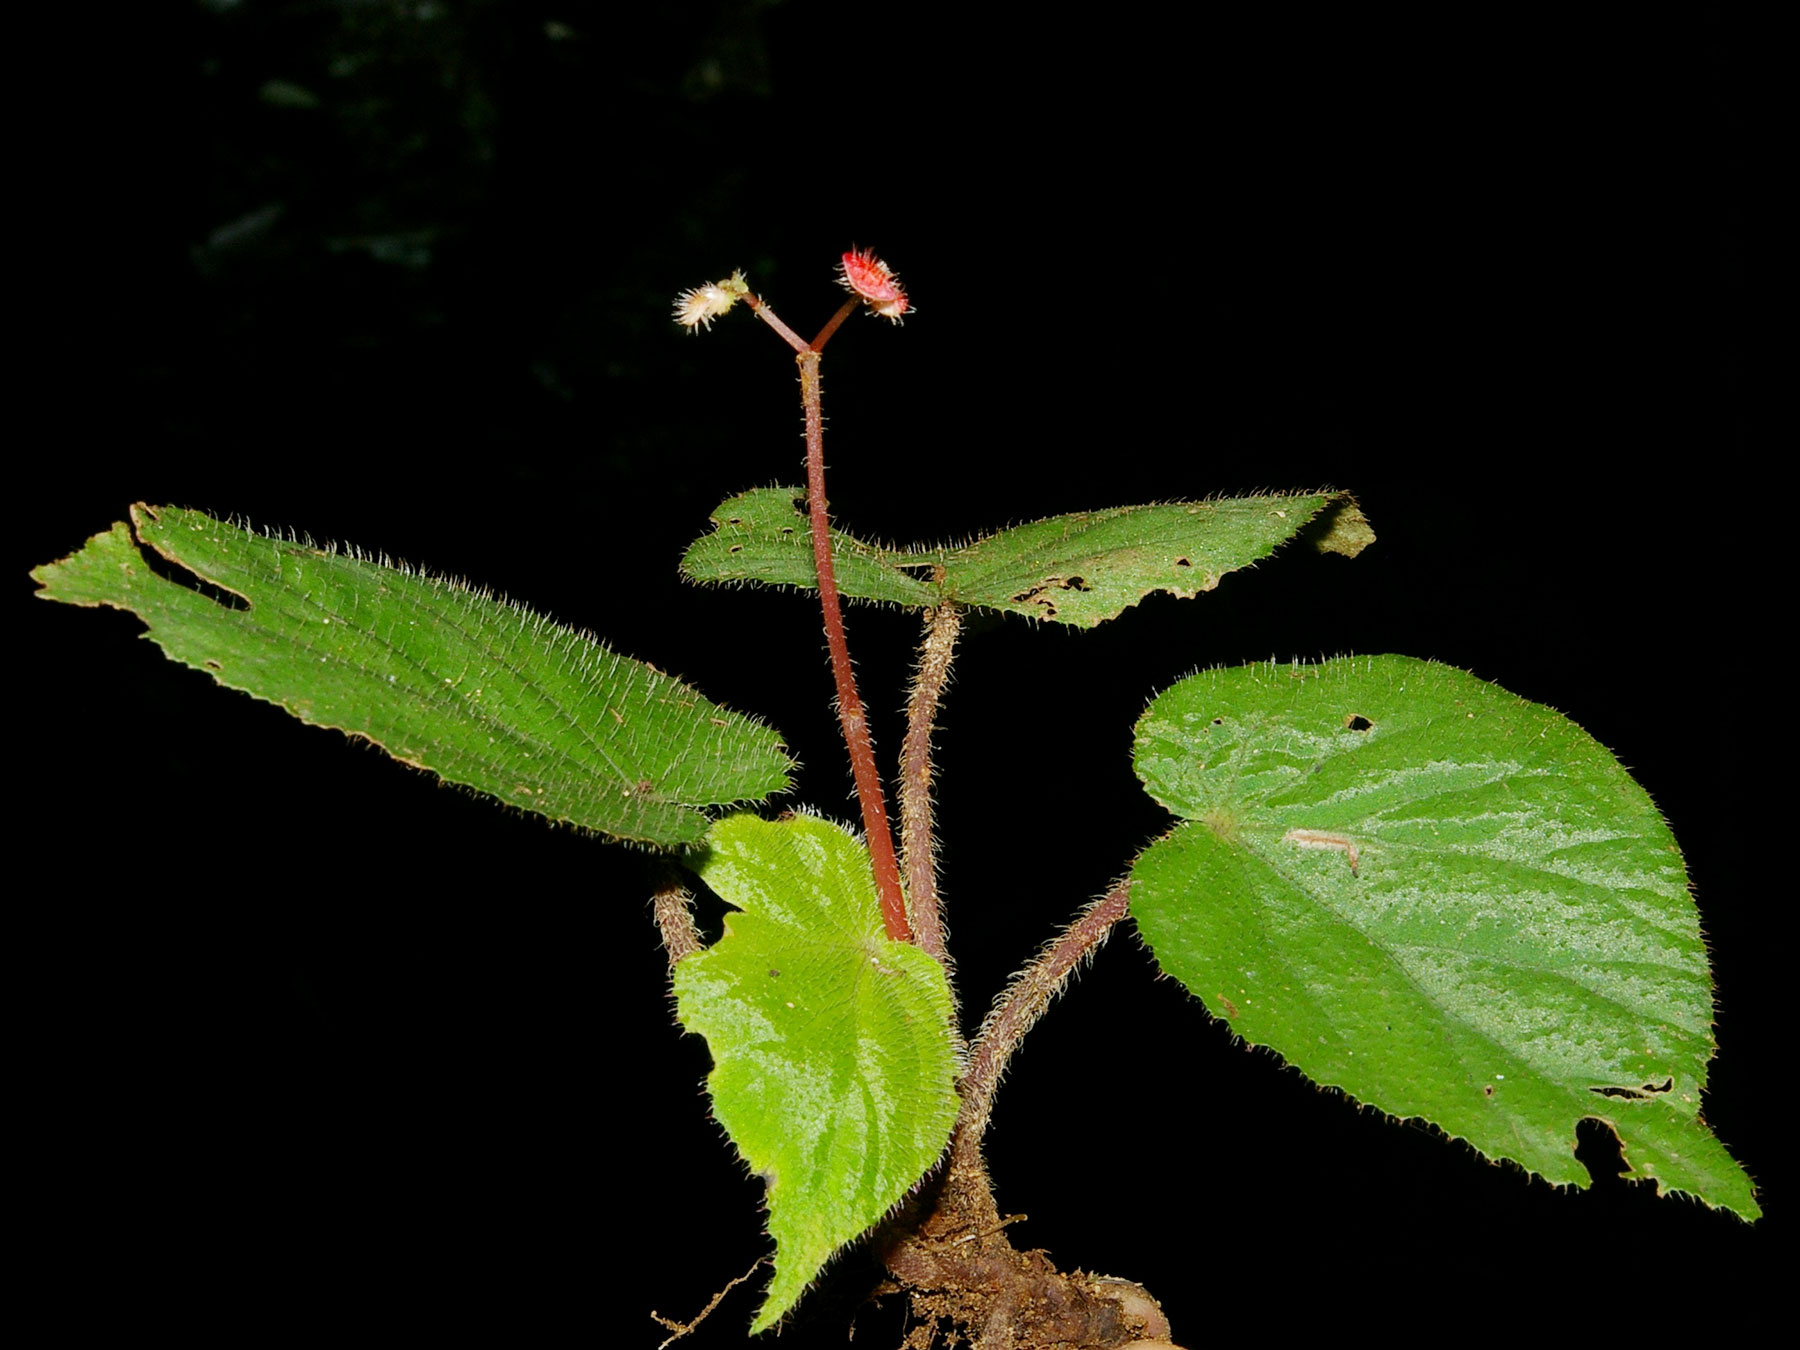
<point>1451,903</point>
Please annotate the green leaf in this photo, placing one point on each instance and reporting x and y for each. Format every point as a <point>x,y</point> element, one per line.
<point>1078,569</point>
<point>834,1063</point>
<point>1085,569</point>
<point>764,537</point>
<point>480,691</point>
<point>1446,901</point>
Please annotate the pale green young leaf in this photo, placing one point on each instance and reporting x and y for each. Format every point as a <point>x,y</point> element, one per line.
<point>1448,902</point>
<point>1079,569</point>
<point>834,1062</point>
<point>478,690</point>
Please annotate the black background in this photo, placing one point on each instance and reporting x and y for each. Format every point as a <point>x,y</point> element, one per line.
<point>313,1031</point>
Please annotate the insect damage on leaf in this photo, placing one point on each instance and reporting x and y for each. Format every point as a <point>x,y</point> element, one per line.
<point>1511,947</point>
<point>1324,839</point>
<point>479,690</point>
<point>1081,569</point>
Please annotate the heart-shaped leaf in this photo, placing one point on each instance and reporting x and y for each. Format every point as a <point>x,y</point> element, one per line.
<point>1449,902</point>
<point>834,1060</point>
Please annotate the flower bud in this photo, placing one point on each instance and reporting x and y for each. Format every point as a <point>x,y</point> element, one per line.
<point>699,307</point>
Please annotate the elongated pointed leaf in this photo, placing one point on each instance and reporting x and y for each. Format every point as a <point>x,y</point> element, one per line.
<point>1080,569</point>
<point>834,1063</point>
<point>1449,902</point>
<point>481,691</point>
<point>1085,569</point>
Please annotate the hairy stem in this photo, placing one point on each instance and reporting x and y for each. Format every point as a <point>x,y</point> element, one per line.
<point>918,843</point>
<point>770,317</point>
<point>1021,1005</point>
<point>851,716</point>
<point>674,918</point>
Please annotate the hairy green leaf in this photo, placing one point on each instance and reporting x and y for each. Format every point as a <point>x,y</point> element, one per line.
<point>1080,569</point>
<point>834,1063</point>
<point>1085,569</point>
<point>1448,902</point>
<point>480,691</point>
<point>763,536</point>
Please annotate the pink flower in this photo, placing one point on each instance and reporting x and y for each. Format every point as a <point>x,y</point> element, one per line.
<point>866,275</point>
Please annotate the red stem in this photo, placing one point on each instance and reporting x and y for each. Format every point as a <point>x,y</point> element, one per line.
<point>851,716</point>
<point>845,310</point>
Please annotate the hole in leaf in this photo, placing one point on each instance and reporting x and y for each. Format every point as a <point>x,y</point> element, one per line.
<point>1357,722</point>
<point>1218,721</point>
<point>1076,584</point>
<point>178,575</point>
<point>734,520</point>
<point>211,664</point>
<point>1636,1094</point>
<point>1183,562</point>
<point>735,548</point>
<point>1599,1150</point>
<point>1488,1090</point>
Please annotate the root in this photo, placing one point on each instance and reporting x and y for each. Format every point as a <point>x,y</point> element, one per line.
<point>966,1281</point>
<point>682,1329</point>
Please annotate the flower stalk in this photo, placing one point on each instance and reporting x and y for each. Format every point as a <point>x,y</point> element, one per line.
<point>872,283</point>
<point>852,718</point>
